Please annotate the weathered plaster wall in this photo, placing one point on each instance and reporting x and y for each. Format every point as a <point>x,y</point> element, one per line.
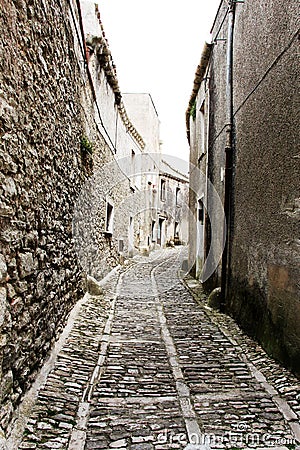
<point>263,278</point>
<point>264,292</point>
<point>193,188</point>
<point>142,111</point>
<point>217,118</point>
<point>205,140</point>
<point>199,121</point>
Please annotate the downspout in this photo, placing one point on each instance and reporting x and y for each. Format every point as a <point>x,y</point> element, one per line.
<point>228,151</point>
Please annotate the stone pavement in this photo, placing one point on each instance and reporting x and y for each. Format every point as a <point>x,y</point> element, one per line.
<point>148,365</point>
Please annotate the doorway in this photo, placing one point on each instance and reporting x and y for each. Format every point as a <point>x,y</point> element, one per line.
<point>160,231</point>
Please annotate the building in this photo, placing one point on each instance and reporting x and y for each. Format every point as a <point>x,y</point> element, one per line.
<point>74,197</point>
<point>171,224</point>
<point>141,108</point>
<point>243,129</point>
<point>165,188</point>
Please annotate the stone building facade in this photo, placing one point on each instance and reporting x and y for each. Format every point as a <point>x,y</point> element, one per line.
<point>171,225</point>
<point>71,201</point>
<point>42,171</point>
<point>243,128</point>
<point>142,111</point>
<point>164,206</point>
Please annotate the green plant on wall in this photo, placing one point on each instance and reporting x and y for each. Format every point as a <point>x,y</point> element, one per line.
<point>193,110</point>
<point>86,145</point>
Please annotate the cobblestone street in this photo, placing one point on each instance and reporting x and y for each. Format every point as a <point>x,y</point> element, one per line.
<point>148,365</point>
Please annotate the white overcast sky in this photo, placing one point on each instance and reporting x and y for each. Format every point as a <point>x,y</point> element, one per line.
<point>156,46</point>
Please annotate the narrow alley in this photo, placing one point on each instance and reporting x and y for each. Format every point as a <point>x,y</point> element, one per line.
<point>148,365</point>
<point>149,227</point>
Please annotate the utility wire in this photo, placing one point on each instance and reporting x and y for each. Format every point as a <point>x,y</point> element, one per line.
<point>220,27</point>
<point>275,62</point>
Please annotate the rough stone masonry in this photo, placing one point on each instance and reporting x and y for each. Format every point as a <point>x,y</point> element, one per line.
<point>46,107</point>
<point>41,172</point>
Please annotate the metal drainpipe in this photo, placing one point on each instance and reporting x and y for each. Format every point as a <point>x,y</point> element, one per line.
<point>228,151</point>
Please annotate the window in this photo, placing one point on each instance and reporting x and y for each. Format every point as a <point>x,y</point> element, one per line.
<point>131,236</point>
<point>176,230</point>
<point>163,190</point>
<point>109,219</point>
<point>160,233</point>
<point>153,231</point>
<point>202,130</point>
<point>133,161</point>
<point>177,196</point>
<point>200,212</point>
<point>121,245</point>
<point>132,165</point>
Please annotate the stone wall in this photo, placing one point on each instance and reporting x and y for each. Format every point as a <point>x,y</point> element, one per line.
<point>52,150</point>
<point>42,171</point>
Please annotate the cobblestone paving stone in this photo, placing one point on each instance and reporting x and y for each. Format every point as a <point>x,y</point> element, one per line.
<point>54,415</point>
<point>227,397</point>
<point>286,385</point>
<point>150,366</point>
